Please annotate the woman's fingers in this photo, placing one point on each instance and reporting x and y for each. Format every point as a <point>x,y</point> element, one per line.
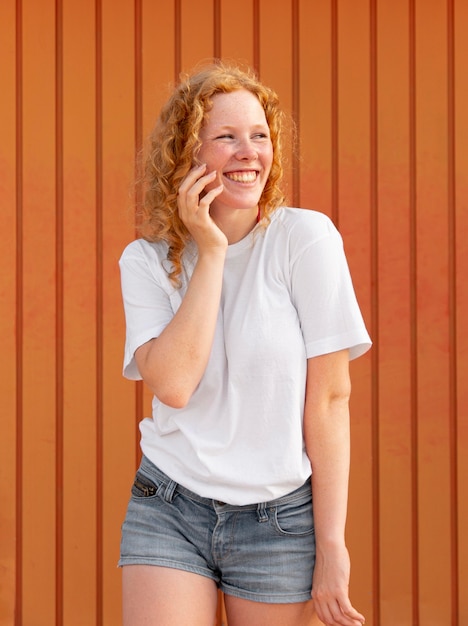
<point>194,207</point>
<point>192,187</point>
<point>333,614</point>
<point>194,184</point>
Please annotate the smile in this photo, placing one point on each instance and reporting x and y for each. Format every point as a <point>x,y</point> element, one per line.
<point>242,177</point>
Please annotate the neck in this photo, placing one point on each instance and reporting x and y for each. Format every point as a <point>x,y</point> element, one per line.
<point>237,224</point>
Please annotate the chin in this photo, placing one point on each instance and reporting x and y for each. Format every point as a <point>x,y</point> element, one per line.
<point>243,203</point>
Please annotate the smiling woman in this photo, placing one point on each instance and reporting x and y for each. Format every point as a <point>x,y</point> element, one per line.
<point>241,318</point>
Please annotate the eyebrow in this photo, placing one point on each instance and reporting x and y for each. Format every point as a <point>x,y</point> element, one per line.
<point>259,126</point>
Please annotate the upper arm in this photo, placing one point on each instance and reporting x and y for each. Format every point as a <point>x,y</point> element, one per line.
<point>141,354</point>
<point>328,378</point>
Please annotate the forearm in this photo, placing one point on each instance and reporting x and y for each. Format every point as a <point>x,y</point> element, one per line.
<point>327,440</point>
<point>327,443</point>
<point>172,364</point>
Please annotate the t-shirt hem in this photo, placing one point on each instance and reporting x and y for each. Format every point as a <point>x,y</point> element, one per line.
<point>355,342</point>
<point>130,369</point>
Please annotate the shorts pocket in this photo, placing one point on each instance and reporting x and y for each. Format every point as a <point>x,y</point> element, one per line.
<point>294,518</point>
<point>143,487</point>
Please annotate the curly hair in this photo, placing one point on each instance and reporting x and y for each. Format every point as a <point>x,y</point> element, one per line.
<point>175,141</point>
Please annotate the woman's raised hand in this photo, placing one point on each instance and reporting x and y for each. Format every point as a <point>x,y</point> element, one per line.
<point>194,209</point>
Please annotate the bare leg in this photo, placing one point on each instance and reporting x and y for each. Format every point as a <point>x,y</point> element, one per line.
<point>247,613</point>
<point>161,596</point>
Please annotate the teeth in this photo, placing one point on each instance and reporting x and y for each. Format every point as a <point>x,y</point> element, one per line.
<point>242,177</point>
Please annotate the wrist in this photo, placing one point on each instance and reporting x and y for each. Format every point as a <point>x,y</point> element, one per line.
<point>329,542</point>
<point>212,253</point>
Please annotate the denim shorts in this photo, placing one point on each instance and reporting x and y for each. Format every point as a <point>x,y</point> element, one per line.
<point>263,552</point>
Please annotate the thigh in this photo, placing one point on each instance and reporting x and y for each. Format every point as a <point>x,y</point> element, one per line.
<point>242,612</point>
<point>161,596</point>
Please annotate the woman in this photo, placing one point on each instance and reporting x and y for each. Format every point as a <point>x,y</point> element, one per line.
<point>242,319</point>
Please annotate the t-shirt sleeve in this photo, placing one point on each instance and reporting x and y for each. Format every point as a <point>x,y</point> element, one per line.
<point>324,296</point>
<point>146,299</point>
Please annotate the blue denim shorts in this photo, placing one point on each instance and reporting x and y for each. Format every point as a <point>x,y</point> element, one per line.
<point>263,552</point>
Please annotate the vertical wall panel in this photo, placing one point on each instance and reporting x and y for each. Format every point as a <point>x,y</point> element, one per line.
<point>39,315</point>
<point>8,311</point>
<point>460,244</point>
<point>432,322</point>
<point>315,105</point>
<point>196,44</point>
<point>79,308</point>
<point>394,333</point>
<point>237,30</point>
<point>379,93</point>
<point>158,65</point>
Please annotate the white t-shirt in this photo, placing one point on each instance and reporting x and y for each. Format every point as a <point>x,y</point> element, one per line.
<point>287,296</point>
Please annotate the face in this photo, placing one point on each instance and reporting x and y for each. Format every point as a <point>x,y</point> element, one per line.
<point>236,143</point>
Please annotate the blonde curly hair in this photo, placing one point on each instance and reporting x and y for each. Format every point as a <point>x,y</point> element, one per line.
<point>175,141</point>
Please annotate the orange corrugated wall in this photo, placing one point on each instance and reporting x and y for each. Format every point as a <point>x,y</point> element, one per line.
<point>379,92</point>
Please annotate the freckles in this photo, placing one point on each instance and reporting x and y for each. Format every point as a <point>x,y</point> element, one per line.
<point>214,156</point>
<point>206,150</point>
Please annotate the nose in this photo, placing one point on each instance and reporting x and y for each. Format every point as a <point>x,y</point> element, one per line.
<point>246,150</point>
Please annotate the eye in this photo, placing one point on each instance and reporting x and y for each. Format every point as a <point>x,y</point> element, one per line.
<point>226,136</point>
<point>261,136</point>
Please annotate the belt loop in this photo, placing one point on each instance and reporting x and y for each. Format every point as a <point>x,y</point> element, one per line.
<point>262,514</point>
<point>169,491</point>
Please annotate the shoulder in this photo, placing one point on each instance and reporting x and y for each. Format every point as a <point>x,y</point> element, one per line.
<point>143,250</point>
<point>304,225</point>
<point>143,260</point>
